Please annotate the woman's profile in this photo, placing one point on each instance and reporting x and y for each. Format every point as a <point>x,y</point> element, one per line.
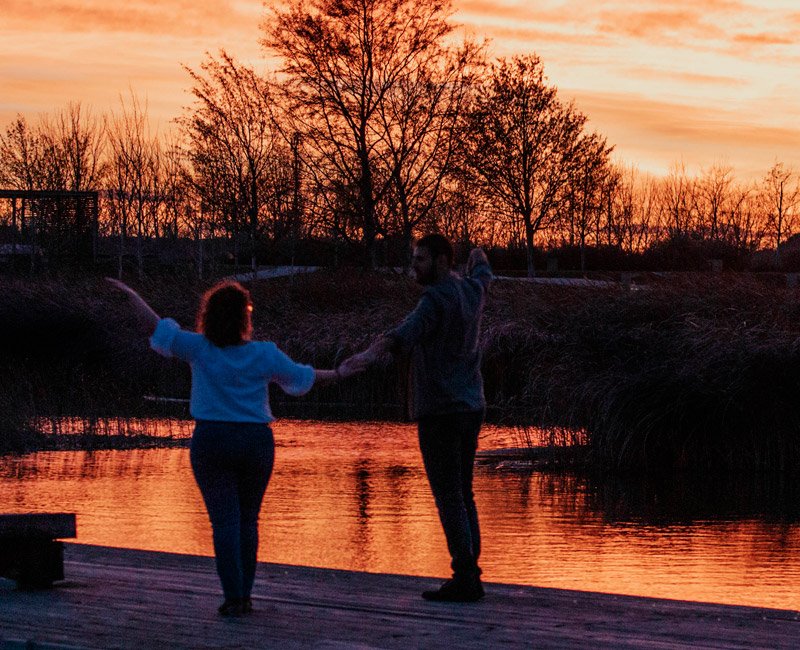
<point>232,447</point>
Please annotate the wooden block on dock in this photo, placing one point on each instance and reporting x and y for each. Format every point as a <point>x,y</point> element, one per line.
<point>29,551</point>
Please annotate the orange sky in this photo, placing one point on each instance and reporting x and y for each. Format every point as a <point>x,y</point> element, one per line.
<point>664,80</point>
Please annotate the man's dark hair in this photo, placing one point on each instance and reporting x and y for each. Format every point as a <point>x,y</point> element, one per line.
<point>224,315</point>
<point>437,245</point>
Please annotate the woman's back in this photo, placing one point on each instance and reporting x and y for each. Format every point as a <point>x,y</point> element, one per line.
<point>231,383</point>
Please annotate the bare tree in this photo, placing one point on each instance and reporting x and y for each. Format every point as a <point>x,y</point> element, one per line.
<point>713,196</point>
<point>522,141</point>
<point>677,200</point>
<point>636,213</point>
<point>780,194</point>
<point>341,59</point>
<point>75,146</point>
<point>132,184</point>
<point>745,224</point>
<point>234,142</point>
<point>585,204</point>
<point>422,119</point>
<point>21,156</point>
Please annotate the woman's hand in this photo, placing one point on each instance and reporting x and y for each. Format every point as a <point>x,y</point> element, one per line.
<point>149,317</point>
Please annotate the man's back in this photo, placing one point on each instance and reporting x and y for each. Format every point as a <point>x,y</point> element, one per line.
<point>442,335</point>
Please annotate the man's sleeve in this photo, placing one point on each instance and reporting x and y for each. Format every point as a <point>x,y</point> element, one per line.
<point>482,273</point>
<point>414,327</point>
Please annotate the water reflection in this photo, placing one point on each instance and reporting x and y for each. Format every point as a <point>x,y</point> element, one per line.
<point>354,496</point>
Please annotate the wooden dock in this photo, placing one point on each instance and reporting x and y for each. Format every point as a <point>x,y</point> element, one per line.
<point>118,598</point>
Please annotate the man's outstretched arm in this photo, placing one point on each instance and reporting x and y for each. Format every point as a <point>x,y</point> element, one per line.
<point>379,348</point>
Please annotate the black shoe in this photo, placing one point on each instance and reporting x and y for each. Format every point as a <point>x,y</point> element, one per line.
<point>247,606</point>
<point>231,607</point>
<point>457,590</point>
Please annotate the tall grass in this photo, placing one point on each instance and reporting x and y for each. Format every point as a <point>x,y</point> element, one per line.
<point>692,371</point>
<point>697,371</point>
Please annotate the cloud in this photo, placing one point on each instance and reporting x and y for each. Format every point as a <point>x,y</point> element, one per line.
<point>658,132</point>
<point>692,78</point>
<point>168,17</point>
<point>765,39</point>
<point>653,25</point>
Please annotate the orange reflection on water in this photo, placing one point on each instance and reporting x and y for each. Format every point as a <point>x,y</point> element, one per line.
<point>354,496</point>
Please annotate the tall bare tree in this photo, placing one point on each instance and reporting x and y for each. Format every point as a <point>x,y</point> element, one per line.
<point>585,193</point>
<point>522,141</point>
<point>636,213</point>
<point>713,196</point>
<point>678,200</point>
<point>22,156</point>
<point>422,120</point>
<point>780,195</point>
<point>133,183</point>
<point>234,142</point>
<point>340,60</point>
<point>75,144</point>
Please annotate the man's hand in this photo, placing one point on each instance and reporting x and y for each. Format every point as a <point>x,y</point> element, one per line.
<point>361,361</point>
<point>353,365</point>
<point>476,256</point>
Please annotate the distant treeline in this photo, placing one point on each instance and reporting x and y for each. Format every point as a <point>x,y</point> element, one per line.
<point>376,126</point>
<point>688,371</point>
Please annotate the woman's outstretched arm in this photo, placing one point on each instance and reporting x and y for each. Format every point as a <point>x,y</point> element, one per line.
<point>323,377</point>
<point>143,311</point>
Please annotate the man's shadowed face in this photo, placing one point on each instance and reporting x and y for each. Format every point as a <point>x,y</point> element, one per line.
<point>423,266</point>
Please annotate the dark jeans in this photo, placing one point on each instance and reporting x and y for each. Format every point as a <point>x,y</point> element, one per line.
<point>232,463</point>
<point>448,444</point>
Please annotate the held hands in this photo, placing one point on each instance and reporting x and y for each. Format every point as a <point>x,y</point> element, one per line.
<point>354,365</point>
<point>361,361</point>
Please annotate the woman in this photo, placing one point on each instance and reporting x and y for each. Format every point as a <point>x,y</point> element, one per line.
<point>232,448</point>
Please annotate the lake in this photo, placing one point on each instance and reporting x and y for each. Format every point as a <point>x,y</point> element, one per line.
<point>354,496</point>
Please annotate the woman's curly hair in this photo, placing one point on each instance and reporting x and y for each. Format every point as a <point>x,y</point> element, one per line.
<point>224,314</point>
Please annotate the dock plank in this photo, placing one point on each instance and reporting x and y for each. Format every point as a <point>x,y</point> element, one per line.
<point>121,598</point>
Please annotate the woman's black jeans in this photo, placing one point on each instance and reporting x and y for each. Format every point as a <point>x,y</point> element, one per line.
<point>448,444</point>
<point>232,464</point>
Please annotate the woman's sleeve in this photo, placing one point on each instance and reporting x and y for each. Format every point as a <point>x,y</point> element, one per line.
<point>169,340</point>
<point>293,378</point>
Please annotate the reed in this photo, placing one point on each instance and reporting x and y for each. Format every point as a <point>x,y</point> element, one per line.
<point>692,371</point>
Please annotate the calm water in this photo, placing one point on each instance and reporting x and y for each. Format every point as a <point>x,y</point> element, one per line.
<point>354,496</point>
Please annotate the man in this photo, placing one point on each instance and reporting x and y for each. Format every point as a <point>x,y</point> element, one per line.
<point>441,335</point>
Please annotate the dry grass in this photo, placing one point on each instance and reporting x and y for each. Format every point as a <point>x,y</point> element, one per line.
<point>695,371</point>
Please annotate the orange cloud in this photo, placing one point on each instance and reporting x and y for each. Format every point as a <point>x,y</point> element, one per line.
<point>658,24</point>
<point>657,132</point>
<point>167,17</point>
<point>765,39</point>
<point>692,78</point>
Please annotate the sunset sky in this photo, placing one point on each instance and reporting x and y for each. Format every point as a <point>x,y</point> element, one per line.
<point>702,82</point>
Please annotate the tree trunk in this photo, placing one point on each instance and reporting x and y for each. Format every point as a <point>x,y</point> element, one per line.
<point>529,233</point>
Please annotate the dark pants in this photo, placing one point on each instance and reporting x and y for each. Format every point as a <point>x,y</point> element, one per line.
<point>232,464</point>
<point>448,444</point>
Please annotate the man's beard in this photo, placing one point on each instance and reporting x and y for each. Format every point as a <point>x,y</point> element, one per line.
<point>427,278</point>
